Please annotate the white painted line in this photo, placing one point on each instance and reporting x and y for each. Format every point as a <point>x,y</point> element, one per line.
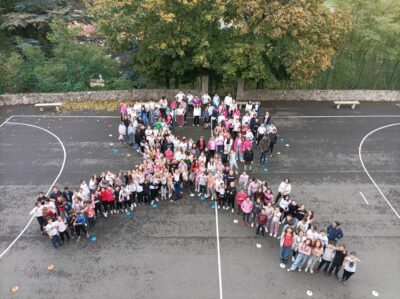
<point>277,116</point>
<point>51,186</point>
<point>362,195</point>
<point>366,170</point>
<point>7,120</point>
<point>219,253</point>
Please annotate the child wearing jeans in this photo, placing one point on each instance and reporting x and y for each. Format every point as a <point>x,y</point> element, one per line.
<point>302,256</point>
<point>275,223</point>
<point>327,257</point>
<point>316,252</point>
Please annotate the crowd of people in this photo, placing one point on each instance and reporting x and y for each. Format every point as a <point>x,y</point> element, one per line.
<point>174,166</point>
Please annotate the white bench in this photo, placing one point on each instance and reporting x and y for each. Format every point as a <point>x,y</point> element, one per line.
<point>48,105</point>
<point>350,103</point>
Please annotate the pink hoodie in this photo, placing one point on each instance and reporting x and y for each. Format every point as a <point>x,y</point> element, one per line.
<point>247,206</point>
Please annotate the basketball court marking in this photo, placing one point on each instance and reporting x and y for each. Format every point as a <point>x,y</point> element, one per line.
<point>366,170</point>
<point>51,186</point>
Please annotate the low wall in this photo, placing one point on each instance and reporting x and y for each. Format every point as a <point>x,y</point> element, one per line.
<point>155,94</point>
<point>319,95</point>
<point>136,94</point>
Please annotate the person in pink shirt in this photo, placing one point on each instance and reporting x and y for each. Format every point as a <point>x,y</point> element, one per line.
<point>123,109</point>
<point>247,208</point>
<point>240,198</point>
<point>252,189</point>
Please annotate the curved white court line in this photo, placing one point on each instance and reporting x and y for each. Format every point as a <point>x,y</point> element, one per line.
<point>366,170</point>
<point>51,186</point>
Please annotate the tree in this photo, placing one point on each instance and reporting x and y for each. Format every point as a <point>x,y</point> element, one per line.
<point>283,40</point>
<point>170,38</point>
<point>69,67</point>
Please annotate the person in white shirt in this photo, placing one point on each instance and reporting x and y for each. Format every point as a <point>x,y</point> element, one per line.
<point>216,100</point>
<point>205,99</point>
<point>180,96</point>
<point>190,98</point>
<point>312,233</point>
<point>51,230</point>
<point>196,115</point>
<point>284,189</point>
<point>228,101</point>
<point>61,225</point>
<point>38,211</point>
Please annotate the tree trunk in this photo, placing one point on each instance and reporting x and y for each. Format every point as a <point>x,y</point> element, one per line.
<point>176,82</point>
<point>240,89</point>
<point>167,81</point>
<point>204,83</point>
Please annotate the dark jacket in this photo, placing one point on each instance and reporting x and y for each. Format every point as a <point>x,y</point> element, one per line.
<point>334,233</point>
<point>248,155</point>
<point>273,138</point>
<point>264,143</point>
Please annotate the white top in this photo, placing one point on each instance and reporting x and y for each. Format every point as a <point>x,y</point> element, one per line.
<point>38,211</point>
<point>312,235</point>
<point>51,229</point>
<point>284,188</point>
<point>228,100</point>
<point>180,96</point>
<point>350,264</point>
<point>197,111</point>
<point>205,99</point>
<point>60,225</point>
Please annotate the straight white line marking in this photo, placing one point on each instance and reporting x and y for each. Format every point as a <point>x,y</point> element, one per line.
<point>277,116</point>
<point>366,170</point>
<point>7,120</point>
<point>219,252</point>
<point>51,186</point>
<point>362,195</point>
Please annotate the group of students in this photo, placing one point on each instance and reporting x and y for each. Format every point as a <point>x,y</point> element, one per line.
<point>174,165</point>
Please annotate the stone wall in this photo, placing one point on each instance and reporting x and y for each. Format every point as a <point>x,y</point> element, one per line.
<point>136,94</point>
<point>319,95</point>
<point>155,94</point>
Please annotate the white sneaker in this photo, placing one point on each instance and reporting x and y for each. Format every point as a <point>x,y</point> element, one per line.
<point>135,205</point>
<point>105,215</point>
<point>293,259</point>
<point>311,271</point>
<point>270,234</point>
<point>252,224</point>
<point>115,211</point>
<point>233,210</point>
<point>87,235</point>
<point>126,210</point>
<point>299,269</point>
<point>79,238</point>
<point>306,270</point>
<point>275,236</point>
<point>289,270</point>
<point>112,212</point>
<point>157,199</point>
<point>282,265</point>
<point>219,207</point>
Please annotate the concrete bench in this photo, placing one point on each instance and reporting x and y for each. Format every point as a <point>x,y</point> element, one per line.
<point>48,105</point>
<point>350,103</point>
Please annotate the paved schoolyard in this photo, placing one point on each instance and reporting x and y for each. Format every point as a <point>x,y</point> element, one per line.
<point>171,251</point>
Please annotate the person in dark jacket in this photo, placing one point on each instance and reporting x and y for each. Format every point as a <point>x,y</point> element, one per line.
<point>231,195</point>
<point>273,137</point>
<point>334,232</point>
<point>264,145</point>
<point>261,221</point>
<point>338,260</point>
<point>248,156</point>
